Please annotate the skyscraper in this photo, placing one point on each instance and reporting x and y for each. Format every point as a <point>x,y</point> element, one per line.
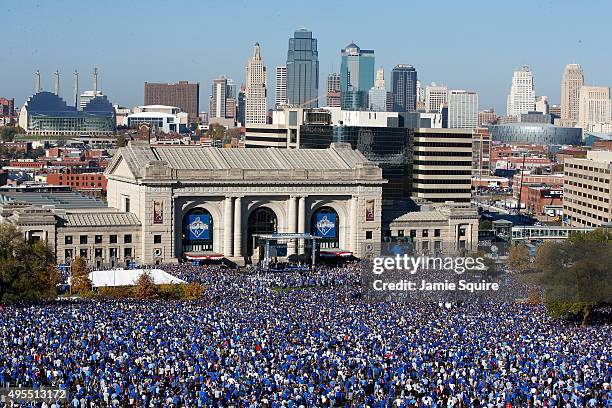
<point>435,95</point>
<point>594,107</point>
<point>333,90</point>
<point>522,95</point>
<point>541,104</point>
<point>403,88</point>
<point>462,109</point>
<point>256,109</point>
<point>356,76</point>
<point>573,80</point>
<point>218,98</point>
<point>303,70</point>
<point>241,105</point>
<point>280,93</point>
<point>182,95</point>
<point>377,95</point>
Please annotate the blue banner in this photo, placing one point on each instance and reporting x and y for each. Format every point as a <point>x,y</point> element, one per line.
<point>198,227</point>
<point>325,225</point>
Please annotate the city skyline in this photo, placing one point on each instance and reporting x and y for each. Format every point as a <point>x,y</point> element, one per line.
<point>451,61</point>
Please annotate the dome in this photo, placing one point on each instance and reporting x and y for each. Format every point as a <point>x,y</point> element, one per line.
<point>99,104</point>
<point>47,102</point>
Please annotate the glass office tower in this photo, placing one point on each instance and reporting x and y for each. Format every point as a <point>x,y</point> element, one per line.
<point>303,70</point>
<point>356,77</point>
<point>403,88</point>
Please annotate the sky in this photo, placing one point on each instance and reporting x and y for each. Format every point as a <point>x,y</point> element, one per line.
<point>473,45</point>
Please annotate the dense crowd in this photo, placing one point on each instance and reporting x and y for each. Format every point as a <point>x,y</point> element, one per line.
<point>244,345</point>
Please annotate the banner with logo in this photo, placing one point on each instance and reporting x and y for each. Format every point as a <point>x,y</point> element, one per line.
<point>369,210</point>
<point>198,226</point>
<point>325,225</point>
<point>158,212</point>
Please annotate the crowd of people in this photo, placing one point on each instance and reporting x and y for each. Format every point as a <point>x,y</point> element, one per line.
<point>245,345</point>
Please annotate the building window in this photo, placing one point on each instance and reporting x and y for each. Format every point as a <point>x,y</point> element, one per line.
<point>68,240</point>
<point>436,232</point>
<point>98,252</point>
<point>113,239</point>
<point>412,233</point>
<point>425,233</point>
<point>126,204</point>
<point>67,255</point>
<point>462,231</point>
<point>157,239</point>
<point>127,252</point>
<point>368,234</point>
<point>98,239</point>
<point>400,233</point>
<point>83,239</point>
<point>83,253</point>
<point>112,252</point>
<point>127,239</point>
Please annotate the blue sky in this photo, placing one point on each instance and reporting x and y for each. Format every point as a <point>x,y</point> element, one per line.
<point>472,45</point>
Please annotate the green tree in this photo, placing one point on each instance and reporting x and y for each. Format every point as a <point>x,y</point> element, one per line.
<point>485,225</point>
<point>80,282</point>
<point>27,269</point>
<point>577,273</point>
<point>518,258</point>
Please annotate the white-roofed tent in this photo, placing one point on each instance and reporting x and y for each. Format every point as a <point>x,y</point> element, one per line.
<point>128,277</point>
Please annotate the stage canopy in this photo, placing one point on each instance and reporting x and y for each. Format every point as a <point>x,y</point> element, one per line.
<point>127,277</point>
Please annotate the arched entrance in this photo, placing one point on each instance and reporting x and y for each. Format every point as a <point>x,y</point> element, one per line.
<point>325,223</point>
<point>261,221</point>
<point>197,235</point>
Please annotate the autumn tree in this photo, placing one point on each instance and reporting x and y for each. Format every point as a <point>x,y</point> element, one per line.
<point>27,269</point>
<point>80,282</point>
<point>145,286</point>
<point>577,273</point>
<point>518,258</point>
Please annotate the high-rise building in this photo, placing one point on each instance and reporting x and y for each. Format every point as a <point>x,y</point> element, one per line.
<point>280,93</point>
<point>586,190</point>
<point>481,152</point>
<point>218,98</point>
<point>521,98</point>
<point>256,109</point>
<point>182,95</point>
<point>435,95</point>
<point>403,88</point>
<point>442,165</point>
<point>377,95</point>
<point>356,76</point>
<point>555,111</point>
<point>541,105</point>
<point>573,80</point>
<point>462,109</point>
<point>420,92</point>
<point>303,70</point>
<point>7,111</point>
<point>241,105</point>
<point>594,106</point>
<point>333,90</point>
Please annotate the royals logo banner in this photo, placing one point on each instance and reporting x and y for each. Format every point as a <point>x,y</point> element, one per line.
<point>325,225</point>
<point>198,226</point>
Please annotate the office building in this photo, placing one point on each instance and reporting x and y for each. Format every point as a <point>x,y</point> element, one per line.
<point>218,98</point>
<point>256,107</point>
<point>241,105</point>
<point>303,70</point>
<point>573,80</point>
<point>481,152</point>
<point>594,107</point>
<point>183,95</point>
<point>7,111</point>
<point>487,117</point>
<point>442,165</point>
<point>587,198</point>
<point>435,96</point>
<point>522,94</point>
<point>535,133</point>
<point>162,118</point>
<point>356,76</point>
<point>403,88</point>
<point>420,93</point>
<point>377,95</point>
<point>333,90</point>
<point>541,105</point>
<point>462,109</point>
<point>280,93</point>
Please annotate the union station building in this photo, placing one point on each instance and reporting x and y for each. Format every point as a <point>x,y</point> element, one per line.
<point>171,203</point>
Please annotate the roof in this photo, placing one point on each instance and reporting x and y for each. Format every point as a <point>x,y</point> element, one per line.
<point>100,219</point>
<point>432,215</point>
<point>340,157</point>
<point>59,200</point>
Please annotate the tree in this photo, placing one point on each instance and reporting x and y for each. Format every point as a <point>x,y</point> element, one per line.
<point>485,225</point>
<point>518,258</point>
<point>80,283</point>
<point>577,273</point>
<point>27,269</point>
<point>145,286</point>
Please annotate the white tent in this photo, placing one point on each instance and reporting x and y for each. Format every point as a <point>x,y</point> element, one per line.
<point>128,277</point>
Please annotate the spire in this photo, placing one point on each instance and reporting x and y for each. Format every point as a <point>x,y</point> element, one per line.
<point>56,83</point>
<point>75,95</point>
<point>257,52</point>
<point>95,82</point>
<point>37,81</point>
